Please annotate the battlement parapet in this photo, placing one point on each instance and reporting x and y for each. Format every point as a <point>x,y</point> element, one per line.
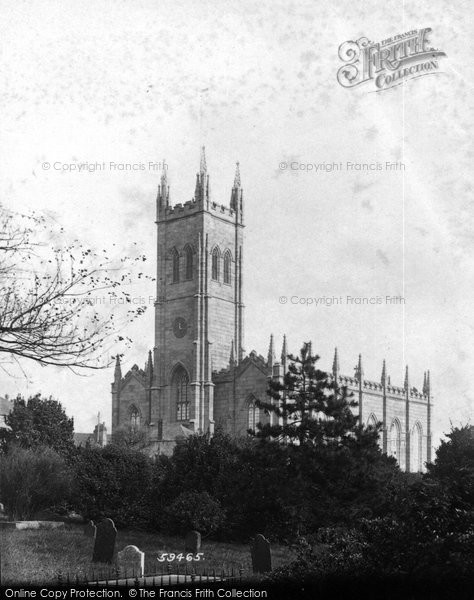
<point>178,209</point>
<point>221,208</point>
<point>391,390</point>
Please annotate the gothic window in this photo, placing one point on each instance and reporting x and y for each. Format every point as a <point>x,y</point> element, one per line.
<point>227,266</point>
<point>416,453</point>
<point>134,418</point>
<point>253,414</point>
<point>188,252</point>
<point>215,264</point>
<point>180,393</point>
<point>372,422</point>
<point>175,266</point>
<point>395,440</point>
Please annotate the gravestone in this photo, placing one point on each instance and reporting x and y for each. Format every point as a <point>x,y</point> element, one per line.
<point>261,555</point>
<point>104,541</point>
<point>131,561</point>
<point>90,529</point>
<point>192,542</point>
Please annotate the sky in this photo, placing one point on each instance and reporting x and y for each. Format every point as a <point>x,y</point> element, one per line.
<point>255,82</point>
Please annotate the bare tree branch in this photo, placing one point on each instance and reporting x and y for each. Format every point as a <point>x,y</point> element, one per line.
<point>50,309</point>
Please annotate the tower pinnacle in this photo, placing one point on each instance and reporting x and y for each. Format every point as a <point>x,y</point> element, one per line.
<point>202,179</point>
<point>406,382</point>
<point>271,353</point>
<point>237,175</point>
<point>203,165</point>
<point>118,369</point>
<point>164,177</point>
<point>359,371</point>
<point>335,364</point>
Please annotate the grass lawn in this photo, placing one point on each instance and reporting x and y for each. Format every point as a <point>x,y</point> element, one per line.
<point>36,557</point>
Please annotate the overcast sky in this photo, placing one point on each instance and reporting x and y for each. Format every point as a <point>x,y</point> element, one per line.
<point>134,82</point>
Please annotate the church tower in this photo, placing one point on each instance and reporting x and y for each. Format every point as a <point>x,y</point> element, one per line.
<point>198,307</point>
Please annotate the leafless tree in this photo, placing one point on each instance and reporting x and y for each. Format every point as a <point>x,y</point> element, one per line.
<point>57,299</point>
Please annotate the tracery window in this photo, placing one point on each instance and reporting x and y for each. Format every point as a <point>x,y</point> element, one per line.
<point>180,394</point>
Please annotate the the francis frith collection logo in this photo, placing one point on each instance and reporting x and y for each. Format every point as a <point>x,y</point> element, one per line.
<point>390,62</point>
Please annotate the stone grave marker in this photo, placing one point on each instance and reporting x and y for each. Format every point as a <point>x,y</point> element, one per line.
<point>131,562</point>
<point>261,555</point>
<point>104,545</point>
<point>192,542</point>
<point>90,529</point>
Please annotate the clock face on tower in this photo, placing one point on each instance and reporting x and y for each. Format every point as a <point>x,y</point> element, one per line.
<point>180,327</point>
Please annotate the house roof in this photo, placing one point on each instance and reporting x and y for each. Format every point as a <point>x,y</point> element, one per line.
<point>80,439</point>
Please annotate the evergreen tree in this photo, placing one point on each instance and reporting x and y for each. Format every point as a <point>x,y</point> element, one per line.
<point>310,409</point>
<point>38,422</point>
<point>335,470</point>
<point>454,465</point>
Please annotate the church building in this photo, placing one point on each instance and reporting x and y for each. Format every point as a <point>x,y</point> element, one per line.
<point>198,377</point>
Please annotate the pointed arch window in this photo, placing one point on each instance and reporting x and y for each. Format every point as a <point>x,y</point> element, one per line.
<point>215,263</point>
<point>395,446</point>
<point>175,257</point>
<point>188,253</point>
<point>416,453</point>
<point>253,414</point>
<point>135,418</point>
<point>180,393</point>
<point>227,266</point>
<point>372,422</point>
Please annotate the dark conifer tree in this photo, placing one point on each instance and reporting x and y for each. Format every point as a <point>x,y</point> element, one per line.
<point>309,408</point>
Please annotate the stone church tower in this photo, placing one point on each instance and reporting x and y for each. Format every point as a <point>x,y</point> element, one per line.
<point>198,314</point>
<point>197,377</point>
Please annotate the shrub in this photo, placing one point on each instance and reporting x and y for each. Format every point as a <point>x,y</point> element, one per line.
<point>32,480</point>
<point>38,422</point>
<point>113,482</point>
<point>194,510</point>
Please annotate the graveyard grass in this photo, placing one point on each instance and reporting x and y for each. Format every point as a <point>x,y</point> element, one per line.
<point>39,556</point>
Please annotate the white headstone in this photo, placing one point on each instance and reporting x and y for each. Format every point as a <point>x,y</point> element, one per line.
<point>131,561</point>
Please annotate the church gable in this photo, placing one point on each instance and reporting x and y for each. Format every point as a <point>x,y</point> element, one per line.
<point>236,390</point>
<point>133,398</point>
<point>133,377</point>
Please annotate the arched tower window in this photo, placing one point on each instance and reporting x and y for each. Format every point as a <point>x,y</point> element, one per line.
<point>395,445</point>
<point>253,414</point>
<point>416,453</point>
<point>135,418</point>
<point>175,256</point>
<point>188,253</point>
<point>180,393</point>
<point>227,266</point>
<point>215,263</point>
